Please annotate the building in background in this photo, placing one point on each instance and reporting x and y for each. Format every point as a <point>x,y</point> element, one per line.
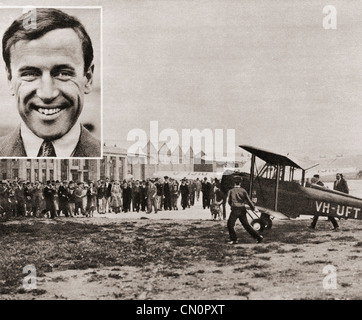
<point>115,165</point>
<point>165,159</point>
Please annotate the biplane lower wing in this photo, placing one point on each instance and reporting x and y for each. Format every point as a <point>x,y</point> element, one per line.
<point>274,214</point>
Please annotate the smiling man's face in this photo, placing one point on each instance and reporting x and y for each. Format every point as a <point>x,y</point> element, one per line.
<point>48,81</point>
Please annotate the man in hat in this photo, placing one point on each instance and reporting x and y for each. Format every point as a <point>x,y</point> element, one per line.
<point>184,191</point>
<point>63,198</point>
<point>48,192</point>
<point>206,190</point>
<point>127,196</point>
<point>167,194</point>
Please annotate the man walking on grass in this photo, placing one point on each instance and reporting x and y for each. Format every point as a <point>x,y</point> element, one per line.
<point>237,198</point>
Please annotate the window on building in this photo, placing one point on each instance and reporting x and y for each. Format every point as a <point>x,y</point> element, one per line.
<point>74,175</point>
<point>102,169</point>
<point>143,172</point>
<point>130,168</point>
<point>28,174</point>
<point>36,174</point>
<point>15,173</point>
<point>51,174</point>
<point>120,169</point>
<point>64,164</point>
<point>4,165</point>
<point>112,168</point>
<point>75,162</point>
<point>43,174</point>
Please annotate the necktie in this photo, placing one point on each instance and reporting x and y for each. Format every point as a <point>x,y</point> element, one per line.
<point>46,149</point>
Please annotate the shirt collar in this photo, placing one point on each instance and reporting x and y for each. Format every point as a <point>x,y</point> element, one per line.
<point>64,146</point>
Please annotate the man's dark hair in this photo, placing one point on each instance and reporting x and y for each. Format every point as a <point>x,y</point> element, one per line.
<point>237,180</point>
<point>47,19</point>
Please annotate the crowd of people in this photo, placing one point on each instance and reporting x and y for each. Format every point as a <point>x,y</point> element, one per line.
<point>20,198</point>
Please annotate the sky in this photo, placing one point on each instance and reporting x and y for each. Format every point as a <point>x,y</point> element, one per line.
<point>266,68</point>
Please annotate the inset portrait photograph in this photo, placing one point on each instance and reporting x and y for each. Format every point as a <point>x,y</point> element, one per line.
<point>51,82</point>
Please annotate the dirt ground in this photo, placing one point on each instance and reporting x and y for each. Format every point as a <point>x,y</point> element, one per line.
<point>155,257</point>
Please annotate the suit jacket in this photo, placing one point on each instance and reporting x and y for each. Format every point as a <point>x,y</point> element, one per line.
<point>341,186</point>
<point>108,190</point>
<point>12,145</point>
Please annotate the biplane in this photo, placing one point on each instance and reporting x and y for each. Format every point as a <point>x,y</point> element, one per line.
<point>277,193</point>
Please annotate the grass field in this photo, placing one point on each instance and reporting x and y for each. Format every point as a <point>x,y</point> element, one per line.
<point>103,258</point>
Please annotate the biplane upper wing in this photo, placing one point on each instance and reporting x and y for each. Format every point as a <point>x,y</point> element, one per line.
<point>276,158</point>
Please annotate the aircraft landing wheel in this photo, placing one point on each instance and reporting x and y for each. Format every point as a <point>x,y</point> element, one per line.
<point>258,224</point>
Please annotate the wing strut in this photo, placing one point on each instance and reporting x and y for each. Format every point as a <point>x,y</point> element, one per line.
<point>276,188</point>
<point>251,175</point>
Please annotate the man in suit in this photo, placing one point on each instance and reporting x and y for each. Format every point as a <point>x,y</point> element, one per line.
<point>136,196</point>
<point>167,194</point>
<point>49,70</point>
<point>184,191</point>
<point>340,184</point>
<point>48,193</point>
<point>143,195</point>
<point>206,187</point>
<point>315,180</point>
<point>63,198</point>
<point>107,195</point>
<point>20,199</point>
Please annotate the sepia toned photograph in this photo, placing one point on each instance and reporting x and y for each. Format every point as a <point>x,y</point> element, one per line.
<point>181,156</point>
